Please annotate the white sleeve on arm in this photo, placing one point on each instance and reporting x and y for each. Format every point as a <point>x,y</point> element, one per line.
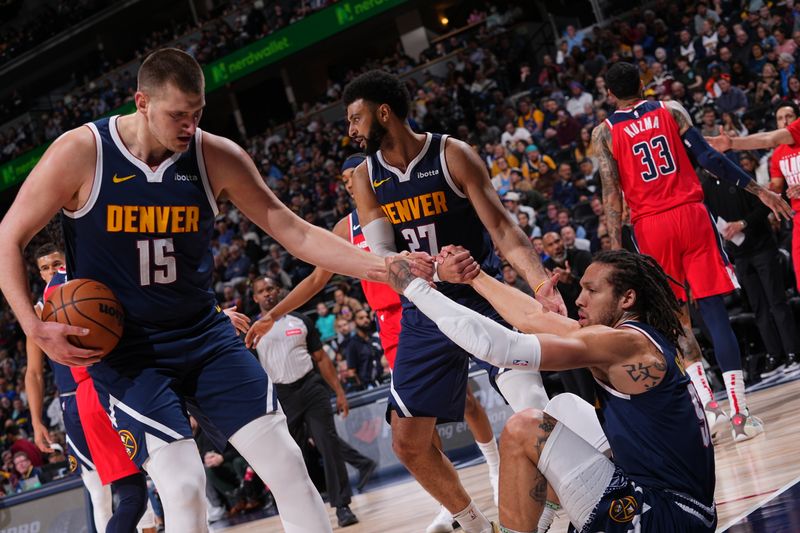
<point>481,336</point>
<point>380,237</point>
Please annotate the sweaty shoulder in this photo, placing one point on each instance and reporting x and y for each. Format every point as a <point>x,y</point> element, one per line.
<point>76,150</point>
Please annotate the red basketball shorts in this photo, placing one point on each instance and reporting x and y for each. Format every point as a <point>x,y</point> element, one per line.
<point>685,242</point>
<point>109,454</point>
<point>389,331</point>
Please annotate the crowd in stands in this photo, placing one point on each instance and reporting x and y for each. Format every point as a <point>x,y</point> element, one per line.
<point>529,118</point>
<point>111,87</point>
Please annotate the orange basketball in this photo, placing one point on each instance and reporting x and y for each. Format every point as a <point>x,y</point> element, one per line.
<point>89,304</point>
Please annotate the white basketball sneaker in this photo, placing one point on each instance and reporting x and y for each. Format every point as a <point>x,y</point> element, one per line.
<point>745,426</point>
<point>715,415</point>
<point>442,523</point>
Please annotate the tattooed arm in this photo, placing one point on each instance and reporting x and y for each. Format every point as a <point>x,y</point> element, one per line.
<point>609,177</point>
<point>721,166</point>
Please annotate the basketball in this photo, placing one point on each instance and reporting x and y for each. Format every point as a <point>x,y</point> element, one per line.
<point>89,304</point>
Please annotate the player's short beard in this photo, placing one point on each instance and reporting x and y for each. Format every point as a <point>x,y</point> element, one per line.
<point>375,136</point>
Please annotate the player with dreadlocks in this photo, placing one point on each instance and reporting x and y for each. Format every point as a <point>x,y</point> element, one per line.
<point>661,477</point>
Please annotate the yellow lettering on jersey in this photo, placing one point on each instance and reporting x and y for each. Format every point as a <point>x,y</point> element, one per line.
<point>152,219</point>
<point>178,213</point>
<point>416,207</point>
<point>130,216</point>
<point>114,218</point>
<point>402,210</point>
<point>147,218</point>
<point>162,218</point>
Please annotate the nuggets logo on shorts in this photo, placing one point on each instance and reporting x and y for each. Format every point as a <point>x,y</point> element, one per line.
<point>73,463</point>
<point>623,509</point>
<point>129,442</point>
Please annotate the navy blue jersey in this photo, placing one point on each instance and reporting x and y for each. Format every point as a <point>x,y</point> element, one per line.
<point>145,233</point>
<point>62,375</point>
<point>660,438</point>
<point>428,211</point>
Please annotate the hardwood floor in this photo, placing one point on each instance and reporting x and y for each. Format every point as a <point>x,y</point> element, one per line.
<point>747,474</point>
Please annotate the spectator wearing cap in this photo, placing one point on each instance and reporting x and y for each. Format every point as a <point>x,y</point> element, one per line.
<point>533,157</point>
<point>578,99</point>
<point>512,201</point>
<point>731,99</point>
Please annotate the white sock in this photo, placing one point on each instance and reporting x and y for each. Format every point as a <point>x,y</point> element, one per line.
<point>471,520</point>
<point>734,385</point>
<point>179,477</point>
<point>548,515</point>
<point>698,376</point>
<point>492,455</point>
<point>266,445</point>
<point>101,498</point>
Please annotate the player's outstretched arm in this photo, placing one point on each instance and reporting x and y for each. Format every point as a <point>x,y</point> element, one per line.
<point>375,226</point>
<point>491,342</point>
<point>722,167</point>
<point>233,175</point>
<point>612,191</point>
<point>62,178</point>
<point>519,309</point>
<point>34,387</point>
<point>757,141</point>
<point>471,176</point>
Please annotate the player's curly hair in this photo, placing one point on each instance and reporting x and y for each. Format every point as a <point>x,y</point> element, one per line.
<point>379,87</point>
<point>655,304</point>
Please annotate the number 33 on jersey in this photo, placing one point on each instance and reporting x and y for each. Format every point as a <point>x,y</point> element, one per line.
<point>426,208</point>
<point>655,170</point>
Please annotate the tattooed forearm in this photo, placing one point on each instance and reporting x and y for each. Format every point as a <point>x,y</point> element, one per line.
<point>400,275</point>
<point>680,115</point>
<point>539,491</point>
<point>609,176</point>
<point>650,374</point>
<point>753,188</point>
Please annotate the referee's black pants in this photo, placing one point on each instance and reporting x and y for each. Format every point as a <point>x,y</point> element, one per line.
<point>307,401</point>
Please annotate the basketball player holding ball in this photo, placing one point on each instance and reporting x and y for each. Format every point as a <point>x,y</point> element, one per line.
<point>139,194</point>
<point>91,440</point>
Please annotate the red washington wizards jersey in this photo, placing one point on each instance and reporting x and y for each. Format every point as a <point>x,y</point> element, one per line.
<point>785,161</point>
<point>379,295</point>
<point>656,173</point>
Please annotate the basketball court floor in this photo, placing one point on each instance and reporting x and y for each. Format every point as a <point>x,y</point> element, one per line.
<point>758,481</point>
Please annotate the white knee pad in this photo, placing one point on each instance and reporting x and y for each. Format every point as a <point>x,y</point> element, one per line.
<point>179,476</point>
<point>102,500</point>
<point>578,473</point>
<point>522,389</point>
<point>148,520</point>
<point>265,443</point>
<point>579,416</point>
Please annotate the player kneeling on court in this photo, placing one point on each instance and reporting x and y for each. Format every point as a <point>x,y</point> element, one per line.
<point>662,474</point>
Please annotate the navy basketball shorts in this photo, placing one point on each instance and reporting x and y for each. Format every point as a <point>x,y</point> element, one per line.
<point>77,448</point>
<point>429,378</point>
<point>628,507</point>
<point>154,376</point>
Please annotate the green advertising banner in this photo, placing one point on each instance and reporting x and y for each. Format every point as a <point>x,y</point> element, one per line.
<point>244,61</point>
